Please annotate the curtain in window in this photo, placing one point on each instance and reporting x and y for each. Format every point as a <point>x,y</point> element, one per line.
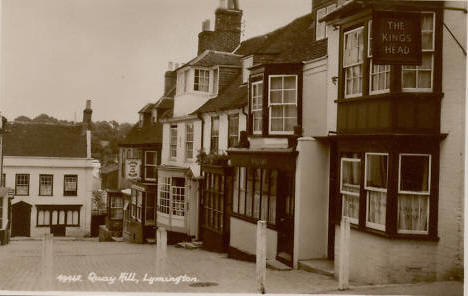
<point>413,212</point>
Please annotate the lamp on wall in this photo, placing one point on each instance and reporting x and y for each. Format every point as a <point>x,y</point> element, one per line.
<point>334,79</point>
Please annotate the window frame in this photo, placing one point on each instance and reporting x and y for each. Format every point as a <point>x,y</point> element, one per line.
<point>371,188</point>
<point>173,142</point>
<point>113,207</point>
<point>214,135</point>
<point>283,104</point>
<point>189,141</point>
<point>51,184</point>
<point>206,78</point>
<point>259,105</point>
<point>155,165</point>
<point>70,193</point>
<point>17,176</point>
<point>232,117</point>
<point>341,191</point>
<point>362,64</point>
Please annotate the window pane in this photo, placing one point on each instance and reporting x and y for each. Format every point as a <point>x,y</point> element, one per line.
<point>275,97</point>
<point>426,38</point>
<point>350,175</point>
<point>277,124</point>
<point>277,112</point>
<point>289,124</point>
<point>424,79</point>
<point>290,82</point>
<point>289,96</point>
<point>376,171</point>
<point>409,78</point>
<point>413,211</point>
<point>414,173</point>
<point>377,206</point>
<point>276,82</point>
<point>290,111</point>
<point>351,207</point>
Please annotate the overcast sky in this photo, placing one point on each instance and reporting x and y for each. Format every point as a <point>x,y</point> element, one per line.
<point>58,53</point>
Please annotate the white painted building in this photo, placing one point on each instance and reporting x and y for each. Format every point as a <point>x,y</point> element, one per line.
<point>50,168</point>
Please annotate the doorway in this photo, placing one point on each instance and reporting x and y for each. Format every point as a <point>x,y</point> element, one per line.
<point>21,219</point>
<point>285,218</point>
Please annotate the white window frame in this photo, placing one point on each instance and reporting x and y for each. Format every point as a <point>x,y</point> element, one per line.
<point>270,104</point>
<point>417,68</point>
<point>206,77</point>
<point>214,134</point>
<point>114,206</point>
<point>150,165</point>
<point>164,183</point>
<point>387,69</point>
<point>215,81</point>
<point>371,188</point>
<point>343,159</point>
<point>229,118</point>
<point>189,140</point>
<point>259,106</point>
<point>318,23</point>
<point>361,28</point>
<point>19,178</point>
<point>41,183</point>
<point>173,141</point>
<point>428,193</point>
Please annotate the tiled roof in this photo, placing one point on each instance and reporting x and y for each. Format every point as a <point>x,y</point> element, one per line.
<point>41,139</point>
<point>147,108</point>
<point>211,58</point>
<point>164,103</point>
<point>292,43</point>
<point>149,134</point>
<point>234,96</point>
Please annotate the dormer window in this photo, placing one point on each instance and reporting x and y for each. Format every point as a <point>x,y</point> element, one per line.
<point>154,116</point>
<point>320,27</point>
<point>202,80</point>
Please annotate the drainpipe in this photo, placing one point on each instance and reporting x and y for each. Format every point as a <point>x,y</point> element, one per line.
<point>202,129</point>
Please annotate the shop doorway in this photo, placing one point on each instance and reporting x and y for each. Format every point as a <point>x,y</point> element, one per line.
<point>21,219</point>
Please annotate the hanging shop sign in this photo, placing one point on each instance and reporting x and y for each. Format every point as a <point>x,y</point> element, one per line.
<point>396,38</point>
<point>133,168</point>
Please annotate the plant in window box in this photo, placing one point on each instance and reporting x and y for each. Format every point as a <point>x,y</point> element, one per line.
<point>212,159</point>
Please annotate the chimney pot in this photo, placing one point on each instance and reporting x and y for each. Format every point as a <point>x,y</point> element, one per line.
<point>206,25</point>
<point>88,104</point>
<point>222,4</point>
<point>170,66</point>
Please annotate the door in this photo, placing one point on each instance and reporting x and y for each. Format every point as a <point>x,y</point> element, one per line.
<point>21,219</point>
<point>285,218</point>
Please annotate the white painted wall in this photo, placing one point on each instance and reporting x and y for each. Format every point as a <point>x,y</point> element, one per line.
<point>58,167</point>
<point>243,237</point>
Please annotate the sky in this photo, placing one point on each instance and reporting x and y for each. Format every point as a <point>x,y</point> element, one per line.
<point>56,54</point>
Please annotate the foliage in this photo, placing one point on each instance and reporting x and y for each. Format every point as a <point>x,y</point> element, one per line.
<point>99,201</point>
<point>212,159</point>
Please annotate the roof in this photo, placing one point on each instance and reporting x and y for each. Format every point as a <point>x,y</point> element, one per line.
<point>146,135</point>
<point>109,168</point>
<point>212,58</point>
<point>147,108</point>
<point>292,43</point>
<point>235,96</point>
<point>164,103</point>
<point>44,139</point>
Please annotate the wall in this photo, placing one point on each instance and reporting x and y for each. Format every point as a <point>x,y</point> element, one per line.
<point>311,200</point>
<point>58,167</point>
<point>314,103</point>
<point>244,238</point>
<point>332,72</point>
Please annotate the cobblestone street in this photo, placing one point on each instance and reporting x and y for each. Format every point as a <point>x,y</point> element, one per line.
<point>20,269</point>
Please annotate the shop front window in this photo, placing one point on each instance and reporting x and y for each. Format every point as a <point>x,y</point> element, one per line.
<point>171,196</point>
<point>116,208</point>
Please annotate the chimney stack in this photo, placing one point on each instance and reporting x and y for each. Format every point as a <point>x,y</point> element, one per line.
<point>87,115</point>
<point>170,78</point>
<point>206,25</point>
<point>222,4</point>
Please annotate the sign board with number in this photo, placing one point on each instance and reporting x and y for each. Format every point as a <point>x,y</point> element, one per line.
<point>133,168</point>
<point>396,38</point>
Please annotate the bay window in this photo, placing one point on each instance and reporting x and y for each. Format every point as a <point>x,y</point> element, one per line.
<point>282,103</point>
<point>414,175</point>
<point>256,107</point>
<point>171,196</point>
<point>164,194</point>
<point>419,78</point>
<point>201,80</point>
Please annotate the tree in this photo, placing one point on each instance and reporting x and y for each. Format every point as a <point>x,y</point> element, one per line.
<point>22,118</point>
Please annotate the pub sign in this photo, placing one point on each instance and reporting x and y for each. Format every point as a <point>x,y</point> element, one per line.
<point>396,38</point>
<point>133,168</point>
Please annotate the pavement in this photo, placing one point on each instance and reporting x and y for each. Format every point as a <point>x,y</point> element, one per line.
<point>81,265</point>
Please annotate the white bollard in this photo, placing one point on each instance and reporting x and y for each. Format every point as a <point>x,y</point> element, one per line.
<point>261,256</point>
<point>47,263</point>
<point>161,251</point>
<point>343,282</point>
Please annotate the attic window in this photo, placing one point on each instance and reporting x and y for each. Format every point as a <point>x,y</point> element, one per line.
<point>154,116</point>
<point>140,122</point>
<point>202,80</point>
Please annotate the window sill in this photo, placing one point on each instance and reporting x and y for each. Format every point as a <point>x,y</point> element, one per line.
<point>396,236</point>
<point>252,220</point>
<point>390,95</point>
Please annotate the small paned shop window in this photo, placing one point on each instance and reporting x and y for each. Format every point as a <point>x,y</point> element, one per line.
<point>282,103</point>
<point>45,185</point>
<point>350,184</point>
<point>116,208</point>
<point>70,185</point>
<point>420,78</point>
<point>151,162</point>
<point>164,189</point>
<point>213,201</point>
<point>414,187</point>
<point>201,80</point>
<point>178,196</point>
<point>66,217</point>
<point>256,107</point>
<point>254,193</point>
<point>376,173</point>
<point>150,213</point>
<point>22,185</point>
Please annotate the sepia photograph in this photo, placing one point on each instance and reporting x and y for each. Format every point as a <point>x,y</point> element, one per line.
<point>233,147</point>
